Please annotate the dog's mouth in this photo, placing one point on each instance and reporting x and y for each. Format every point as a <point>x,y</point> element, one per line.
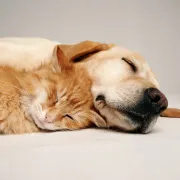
<point>136,122</point>
<point>143,123</point>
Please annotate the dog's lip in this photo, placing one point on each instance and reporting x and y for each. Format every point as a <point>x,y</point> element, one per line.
<point>129,112</point>
<point>121,109</point>
<point>133,116</point>
<point>140,120</point>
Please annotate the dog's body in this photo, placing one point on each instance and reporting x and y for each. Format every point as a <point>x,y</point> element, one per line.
<point>124,89</point>
<point>25,53</point>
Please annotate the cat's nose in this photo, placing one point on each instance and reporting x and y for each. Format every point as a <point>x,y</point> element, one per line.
<point>49,118</point>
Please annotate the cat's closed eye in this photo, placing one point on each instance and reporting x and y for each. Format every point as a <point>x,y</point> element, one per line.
<point>68,116</point>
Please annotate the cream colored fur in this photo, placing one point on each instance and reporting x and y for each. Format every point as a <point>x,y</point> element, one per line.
<point>27,53</point>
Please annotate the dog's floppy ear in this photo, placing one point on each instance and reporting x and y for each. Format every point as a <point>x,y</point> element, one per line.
<point>60,61</point>
<point>171,112</point>
<point>80,51</point>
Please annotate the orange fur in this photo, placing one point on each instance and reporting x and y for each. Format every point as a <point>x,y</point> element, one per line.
<point>22,93</point>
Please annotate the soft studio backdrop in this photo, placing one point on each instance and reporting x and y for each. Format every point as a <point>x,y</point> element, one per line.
<point>151,27</point>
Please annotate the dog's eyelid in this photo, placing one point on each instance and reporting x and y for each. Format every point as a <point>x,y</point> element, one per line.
<point>134,68</point>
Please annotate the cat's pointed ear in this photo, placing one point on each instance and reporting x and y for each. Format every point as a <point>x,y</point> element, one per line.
<point>98,120</point>
<point>60,61</point>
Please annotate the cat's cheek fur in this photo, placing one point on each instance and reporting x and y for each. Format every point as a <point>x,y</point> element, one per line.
<point>41,95</point>
<point>37,113</point>
<point>50,126</point>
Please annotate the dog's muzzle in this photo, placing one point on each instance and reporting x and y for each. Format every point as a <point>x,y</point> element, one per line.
<point>147,109</point>
<point>153,103</point>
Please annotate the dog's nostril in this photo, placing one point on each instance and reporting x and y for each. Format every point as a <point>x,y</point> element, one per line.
<point>156,98</point>
<point>154,95</point>
<point>100,98</point>
<point>158,101</point>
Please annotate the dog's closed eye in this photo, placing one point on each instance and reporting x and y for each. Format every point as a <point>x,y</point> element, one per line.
<point>133,67</point>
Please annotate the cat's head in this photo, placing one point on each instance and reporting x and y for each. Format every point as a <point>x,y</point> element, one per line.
<point>68,100</point>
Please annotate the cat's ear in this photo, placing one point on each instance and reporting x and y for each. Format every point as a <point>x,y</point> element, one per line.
<point>98,120</point>
<point>60,61</point>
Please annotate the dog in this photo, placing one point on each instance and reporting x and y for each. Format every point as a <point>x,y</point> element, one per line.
<point>125,91</point>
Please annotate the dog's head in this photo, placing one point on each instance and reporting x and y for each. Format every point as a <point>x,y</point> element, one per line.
<point>125,90</point>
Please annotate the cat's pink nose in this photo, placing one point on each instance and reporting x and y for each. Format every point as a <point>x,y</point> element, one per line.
<point>49,118</point>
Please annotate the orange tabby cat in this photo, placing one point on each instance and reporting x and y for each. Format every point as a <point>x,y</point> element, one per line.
<point>50,98</point>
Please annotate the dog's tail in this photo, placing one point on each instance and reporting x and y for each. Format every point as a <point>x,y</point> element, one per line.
<point>171,112</point>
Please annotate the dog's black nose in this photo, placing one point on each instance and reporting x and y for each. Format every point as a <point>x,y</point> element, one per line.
<point>156,100</point>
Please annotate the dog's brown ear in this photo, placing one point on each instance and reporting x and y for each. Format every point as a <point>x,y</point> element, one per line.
<point>81,51</point>
<point>171,112</point>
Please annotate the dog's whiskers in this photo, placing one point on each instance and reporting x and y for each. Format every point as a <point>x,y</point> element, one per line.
<point>125,96</point>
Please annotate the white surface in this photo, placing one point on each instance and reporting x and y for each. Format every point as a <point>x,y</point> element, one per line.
<point>94,154</point>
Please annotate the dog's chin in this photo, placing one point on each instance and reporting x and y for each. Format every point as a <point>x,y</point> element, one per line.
<point>141,124</point>
<point>126,120</point>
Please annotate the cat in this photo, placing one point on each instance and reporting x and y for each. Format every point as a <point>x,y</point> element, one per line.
<point>51,98</point>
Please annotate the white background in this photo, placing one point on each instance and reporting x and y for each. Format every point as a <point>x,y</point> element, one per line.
<point>151,27</point>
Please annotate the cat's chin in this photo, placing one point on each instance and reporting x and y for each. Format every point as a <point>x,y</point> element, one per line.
<point>42,124</point>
